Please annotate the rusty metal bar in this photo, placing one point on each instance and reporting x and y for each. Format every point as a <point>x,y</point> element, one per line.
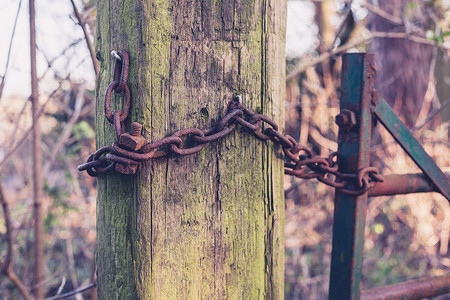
<point>404,184</point>
<point>410,290</point>
<point>411,146</point>
<point>358,74</point>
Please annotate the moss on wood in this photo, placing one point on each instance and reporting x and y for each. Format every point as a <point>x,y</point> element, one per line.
<point>210,225</point>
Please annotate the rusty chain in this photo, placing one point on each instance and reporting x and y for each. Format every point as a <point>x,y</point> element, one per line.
<point>130,149</point>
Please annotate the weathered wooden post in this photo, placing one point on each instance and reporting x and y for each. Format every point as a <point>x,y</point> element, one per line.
<point>210,225</point>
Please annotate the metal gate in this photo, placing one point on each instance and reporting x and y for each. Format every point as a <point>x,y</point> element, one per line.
<point>360,108</point>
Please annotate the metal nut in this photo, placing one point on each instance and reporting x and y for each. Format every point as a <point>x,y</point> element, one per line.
<point>135,140</point>
<point>126,169</point>
<point>346,119</point>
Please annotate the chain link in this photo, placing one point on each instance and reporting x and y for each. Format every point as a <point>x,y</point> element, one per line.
<point>120,156</point>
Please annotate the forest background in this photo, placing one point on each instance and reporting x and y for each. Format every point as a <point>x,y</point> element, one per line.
<point>406,236</point>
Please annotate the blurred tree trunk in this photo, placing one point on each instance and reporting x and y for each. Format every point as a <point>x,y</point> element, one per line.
<point>210,225</point>
<point>323,16</point>
<point>443,83</point>
<point>38,286</point>
<point>403,66</point>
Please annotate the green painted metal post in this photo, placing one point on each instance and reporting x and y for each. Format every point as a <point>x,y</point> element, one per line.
<point>358,76</point>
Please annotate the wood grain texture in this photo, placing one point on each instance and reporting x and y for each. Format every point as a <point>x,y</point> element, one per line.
<point>210,225</point>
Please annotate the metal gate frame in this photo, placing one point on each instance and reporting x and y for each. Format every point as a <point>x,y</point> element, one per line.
<point>360,100</point>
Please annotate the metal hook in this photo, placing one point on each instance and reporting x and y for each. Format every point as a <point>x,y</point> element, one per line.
<point>116,55</point>
<point>238,99</point>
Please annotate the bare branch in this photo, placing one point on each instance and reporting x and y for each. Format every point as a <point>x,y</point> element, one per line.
<point>25,135</point>
<point>8,263</point>
<point>324,56</point>
<point>50,62</point>
<point>78,291</point>
<point>61,286</point>
<point>321,140</point>
<point>2,84</point>
<point>22,139</point>
<point>431,115</point>
<point>82,24</point>
<point>430,93</point>
<point>17,122</point>
<point>72,272</point>
<point>378,11</point>
<point>67,130</point>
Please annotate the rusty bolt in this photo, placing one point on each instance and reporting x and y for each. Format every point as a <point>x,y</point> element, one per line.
<point>126,169</point>
<point>136,129</point>
<point>134,140</point>
<point>346,119</point>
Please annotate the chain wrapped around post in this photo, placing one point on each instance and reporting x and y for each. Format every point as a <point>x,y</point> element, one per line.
<point>130,149</point>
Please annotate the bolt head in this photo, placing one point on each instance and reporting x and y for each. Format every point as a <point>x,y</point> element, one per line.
<point>136,129</point>
<point>132,142</point>
<point>346,119</point>
<point>341,120</point>
<point>126,169</point>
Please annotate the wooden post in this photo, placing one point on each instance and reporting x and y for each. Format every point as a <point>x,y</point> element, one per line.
<point>210,225</point>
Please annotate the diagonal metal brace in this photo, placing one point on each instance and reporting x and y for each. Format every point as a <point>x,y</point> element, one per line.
<point>403,136</point>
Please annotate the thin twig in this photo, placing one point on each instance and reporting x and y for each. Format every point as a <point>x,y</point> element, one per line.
<point>22,139</point>
<point>324,56</point>
<point>25,135</point>
<point>2,84</point>
<point>430,93</point>
<point>385,15</point>
<point>431,115</point>
<point>67,130</point>
<point>93,293</point>
<point>74,292</point>
<point>61,286</point>
<point>82,24</point>
<point>322,141</point>
<point>50,62</point>
<point>16,125</point>
<point>72,272</point>
<point>7,268</point>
